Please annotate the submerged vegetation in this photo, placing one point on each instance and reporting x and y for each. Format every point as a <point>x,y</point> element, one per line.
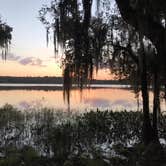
<point>50,137</point>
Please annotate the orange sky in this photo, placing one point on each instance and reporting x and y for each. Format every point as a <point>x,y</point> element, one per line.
<point>28,54</point>
<point>48,68</point>
<point>10,68</point>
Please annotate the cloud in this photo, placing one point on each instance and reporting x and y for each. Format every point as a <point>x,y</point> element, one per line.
<point>12,57</point>
<point>33,61</point>
<point>98,102</point>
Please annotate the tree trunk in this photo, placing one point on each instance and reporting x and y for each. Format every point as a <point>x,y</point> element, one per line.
<point>165,92</point>
<point>156,102</point>
<point>148,134</point>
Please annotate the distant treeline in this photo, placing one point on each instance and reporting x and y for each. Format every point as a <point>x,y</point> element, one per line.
<point>31,80</point>
<point>51,80</point>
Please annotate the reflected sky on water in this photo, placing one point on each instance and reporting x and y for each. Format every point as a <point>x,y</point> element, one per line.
<point>102,98</point>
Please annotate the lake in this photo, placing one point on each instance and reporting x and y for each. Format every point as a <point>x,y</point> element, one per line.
<point>29,96</point>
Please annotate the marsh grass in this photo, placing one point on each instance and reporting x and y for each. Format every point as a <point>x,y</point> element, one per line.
<point>53,136</point>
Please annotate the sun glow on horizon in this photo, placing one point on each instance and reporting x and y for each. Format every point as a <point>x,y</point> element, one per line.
<point>27,67</point>
<point>15,69</point>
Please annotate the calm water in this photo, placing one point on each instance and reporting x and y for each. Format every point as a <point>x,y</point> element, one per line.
<point>114,97</point>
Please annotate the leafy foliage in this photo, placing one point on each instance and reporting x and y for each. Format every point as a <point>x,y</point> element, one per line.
<point>130,39</point>
<point>5,37</point>
<point>93,42</point>
<point>81,37</point>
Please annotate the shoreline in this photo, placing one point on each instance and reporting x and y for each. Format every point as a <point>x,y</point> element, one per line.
<point>20,86</point>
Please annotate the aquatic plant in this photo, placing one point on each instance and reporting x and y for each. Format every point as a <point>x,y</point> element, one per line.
<point>65,138</point>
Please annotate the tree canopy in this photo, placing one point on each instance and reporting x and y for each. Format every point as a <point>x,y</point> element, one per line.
<point>80,36</point>
<point>129,38</point>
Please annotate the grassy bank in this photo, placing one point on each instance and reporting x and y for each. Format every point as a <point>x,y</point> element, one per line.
<point>51,137</point>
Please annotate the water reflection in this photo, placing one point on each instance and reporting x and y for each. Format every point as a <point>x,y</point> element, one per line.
<point>111,98</point>
<point>98,102</point>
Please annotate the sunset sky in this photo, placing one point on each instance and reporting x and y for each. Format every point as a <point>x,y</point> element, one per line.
<point>28,54</point>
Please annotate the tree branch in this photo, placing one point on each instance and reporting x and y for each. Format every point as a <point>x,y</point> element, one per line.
<point>142,21</point>
<point>127,49</point>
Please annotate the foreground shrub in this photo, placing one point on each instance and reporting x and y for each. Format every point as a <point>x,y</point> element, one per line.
<point>49,136</point>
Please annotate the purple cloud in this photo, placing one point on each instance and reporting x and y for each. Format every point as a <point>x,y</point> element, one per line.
<point>32,61</point>
<point>98,102</point>
<point>12,57</point>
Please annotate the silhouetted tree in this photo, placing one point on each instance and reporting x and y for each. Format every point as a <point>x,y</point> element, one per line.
<point>133,57</point>
<point>5,37</point>
<point>80,36</point>
<point>133,41</point>
<point>148,19</point>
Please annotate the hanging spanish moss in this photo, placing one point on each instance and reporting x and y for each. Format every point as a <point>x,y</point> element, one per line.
<point>79,35</point>
<point>5,38</point>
